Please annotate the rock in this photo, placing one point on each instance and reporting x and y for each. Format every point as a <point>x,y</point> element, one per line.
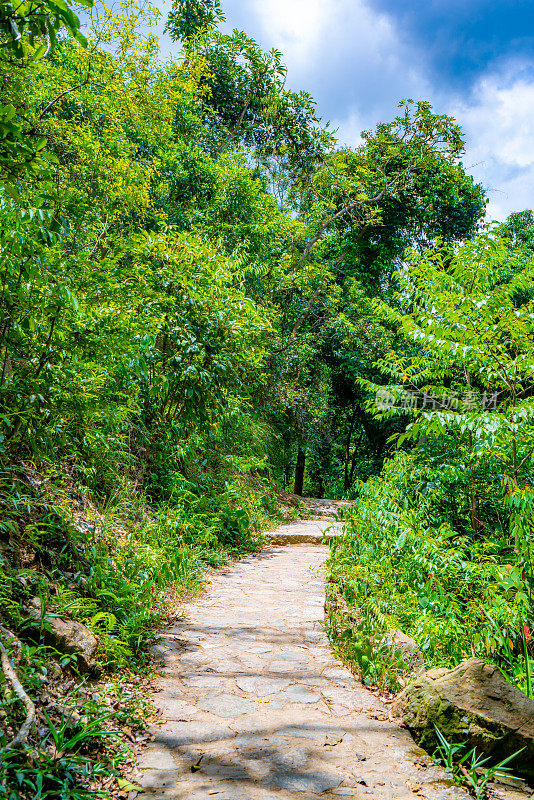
<point>35,604</point>
<point>471,703</point>
<point>298,694</point>
<point>69,637</point>
<point>412,657</point>
<point>74,638</point>
<point>226,705</point>
<point>309,782</point>
<point>260,686</point>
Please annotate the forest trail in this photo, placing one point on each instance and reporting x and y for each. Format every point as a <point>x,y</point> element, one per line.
<point>256,707</point>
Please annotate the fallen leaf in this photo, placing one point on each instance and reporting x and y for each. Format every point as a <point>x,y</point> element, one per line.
<point>127,786</point>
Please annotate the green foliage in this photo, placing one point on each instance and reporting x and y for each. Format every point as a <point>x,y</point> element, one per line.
<point>470,770</point>
<point>472,360</point>
<point>400,552</point>
<point>244,99</point>
<point>114,572</point>
<point>189,17</point>
<point>23,26</point>
<point>361,642</point>
<point>442,540</point>
<point>28,33</point>
<point>78,745</point>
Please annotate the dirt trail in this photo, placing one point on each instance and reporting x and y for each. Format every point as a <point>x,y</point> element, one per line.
<point>256,707</point>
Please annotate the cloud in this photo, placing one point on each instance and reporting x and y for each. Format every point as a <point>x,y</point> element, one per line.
<point>358,59</point>
<point>294,26</point>
<point>498,119</point>
<point>348,56</point>
<point>349,129</point>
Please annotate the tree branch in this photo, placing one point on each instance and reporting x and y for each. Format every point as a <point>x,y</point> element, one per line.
<point>12,677</point>
<point>67,91</point>
<point>235,130</point>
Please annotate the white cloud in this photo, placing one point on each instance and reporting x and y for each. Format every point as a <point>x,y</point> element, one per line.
<point>312,33</point>
<point>294,26</point>
<point>349,129</point>
<point>498,120</point>
<point>358,63</point>
<point>497,117</point>
<point>352,59</point>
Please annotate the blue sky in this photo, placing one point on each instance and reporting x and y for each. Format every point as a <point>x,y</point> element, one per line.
<point>473,59</point>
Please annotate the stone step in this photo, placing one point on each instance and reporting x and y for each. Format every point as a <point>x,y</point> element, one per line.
<point>309,531</point>
<point>321,508</point>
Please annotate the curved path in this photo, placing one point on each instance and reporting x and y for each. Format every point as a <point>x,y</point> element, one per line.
<point>256,707</point>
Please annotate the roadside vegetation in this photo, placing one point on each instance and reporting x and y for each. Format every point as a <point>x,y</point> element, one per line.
<point>207,301</point>
<point>439,545</point>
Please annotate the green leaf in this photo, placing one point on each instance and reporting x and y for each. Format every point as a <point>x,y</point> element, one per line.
<point>126,786</point>
<point>8,112</point>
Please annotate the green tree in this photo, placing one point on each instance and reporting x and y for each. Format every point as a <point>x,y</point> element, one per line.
<point>243,95</point>
<point>190,17</point>
<point>470,367</point>
<point>408,167</point>
<point>28,33</point>
<point>358,214</point>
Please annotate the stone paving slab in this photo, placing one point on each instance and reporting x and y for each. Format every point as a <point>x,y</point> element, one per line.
<point>256,707</point>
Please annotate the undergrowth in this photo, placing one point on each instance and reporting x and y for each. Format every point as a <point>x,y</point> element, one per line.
<point>401,565</point>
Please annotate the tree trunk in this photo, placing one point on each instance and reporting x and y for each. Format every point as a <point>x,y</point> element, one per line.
<point>299,471</point>
<point>346,460</point>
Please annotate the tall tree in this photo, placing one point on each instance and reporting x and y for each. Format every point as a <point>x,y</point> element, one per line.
<point>243,94</point>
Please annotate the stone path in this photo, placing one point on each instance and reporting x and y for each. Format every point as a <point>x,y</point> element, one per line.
<point>255,706</point>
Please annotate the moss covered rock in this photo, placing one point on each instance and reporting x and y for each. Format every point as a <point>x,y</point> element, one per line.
<point>471,703</point>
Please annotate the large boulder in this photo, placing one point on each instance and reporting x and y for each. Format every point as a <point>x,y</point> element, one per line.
<point>69,637</point>
<point>471,703</point>
<point>74,638</point>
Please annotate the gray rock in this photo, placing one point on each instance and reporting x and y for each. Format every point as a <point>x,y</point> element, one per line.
<point>316,732</point>
<point>292,757</point>
<point>157,778</point>
<point>340,697</point>
<point>298,694</point>
<point>156,757</point>
<point>258,741</point>
<point>69,637</point>
<point>312,782</point>
<point>204,681</point>
<point>192,733</point>
<point>213,768</point>
<point>226,705</point>
<point>276,704</point>
<point>256,684</point>
<point>282,666</point>
<point>174,708</point>
<point>400,642</point>
<point>294,655</point>
<point>471,703</point>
